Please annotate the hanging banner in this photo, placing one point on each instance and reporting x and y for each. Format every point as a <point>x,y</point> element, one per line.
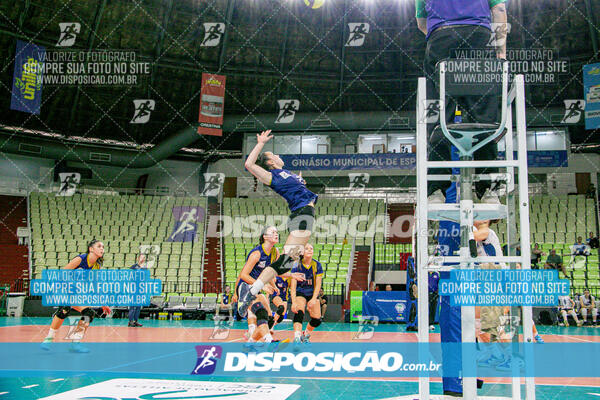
<point>27,78</point>
<point>591,94</point>
<point>212,102</point>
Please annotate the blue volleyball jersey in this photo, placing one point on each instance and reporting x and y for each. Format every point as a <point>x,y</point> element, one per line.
<point>283,287</point>
<point>264,261</point>
<point>225,298</point>
<point>307,287</point>
<point>291,187</point>
<point>84,263</point>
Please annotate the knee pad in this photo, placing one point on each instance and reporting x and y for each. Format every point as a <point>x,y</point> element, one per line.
<point>280,311</point>
<point>271,322</point>
<point>62,312</point>
<point>88,313</point>
<point>299,317</point>
<point>255,307</point>
<point>262,316</point>
<point>314,322</point>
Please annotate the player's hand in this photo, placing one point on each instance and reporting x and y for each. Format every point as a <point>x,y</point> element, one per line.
<point>301,178</point>
<point>106,310</point>
<point>234,299</point>
<point>275,290</point>
<point>311,303</point>
<point>298,276</point>
<point>268,289</point>
<point>264,136</point>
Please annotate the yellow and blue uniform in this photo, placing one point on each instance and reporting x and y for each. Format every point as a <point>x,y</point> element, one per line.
<point>225,298</point>
<point>306,288</point>
<point>292,188</point>
<point>283,285</point>
<point>84,264</point>
<point>264,261</point>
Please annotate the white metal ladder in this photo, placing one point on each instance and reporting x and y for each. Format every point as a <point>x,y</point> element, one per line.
<point>466,212</point>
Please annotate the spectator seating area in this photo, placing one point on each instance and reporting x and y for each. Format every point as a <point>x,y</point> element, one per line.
<point>559,219</point>
<point>61,227</point>
<point>389,253</point>
<point>190,305</point>
<point>556,222</point>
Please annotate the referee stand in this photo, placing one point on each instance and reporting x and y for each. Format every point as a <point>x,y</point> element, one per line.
<point>468,138</point>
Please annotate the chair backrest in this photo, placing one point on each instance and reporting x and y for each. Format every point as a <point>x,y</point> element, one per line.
<point>158,301</point>
<point>175,301</point>
<point>472,77</point>
<point>192,301</point>
<point>209,300</point>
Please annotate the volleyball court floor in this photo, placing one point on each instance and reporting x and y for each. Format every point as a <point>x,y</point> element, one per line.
<point>30,330</point>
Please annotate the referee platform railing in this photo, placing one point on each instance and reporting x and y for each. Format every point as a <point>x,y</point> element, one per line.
<point>468,138</point>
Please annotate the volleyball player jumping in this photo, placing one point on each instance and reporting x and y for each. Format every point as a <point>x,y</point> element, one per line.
<point>268,168</point>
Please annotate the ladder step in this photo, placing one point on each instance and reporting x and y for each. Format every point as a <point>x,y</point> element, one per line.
<point>451,212</point>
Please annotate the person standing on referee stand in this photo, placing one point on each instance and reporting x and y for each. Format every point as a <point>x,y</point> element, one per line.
<point>134,311</point>
<point>452,27</point>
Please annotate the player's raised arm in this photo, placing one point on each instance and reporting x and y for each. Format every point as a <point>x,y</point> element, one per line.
<point>259,172</point>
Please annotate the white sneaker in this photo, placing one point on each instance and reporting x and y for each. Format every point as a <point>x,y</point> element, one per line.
<point>436,197</point>
<point>490,197</point>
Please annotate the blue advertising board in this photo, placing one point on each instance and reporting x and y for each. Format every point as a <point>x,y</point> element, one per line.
<point>387,306</point>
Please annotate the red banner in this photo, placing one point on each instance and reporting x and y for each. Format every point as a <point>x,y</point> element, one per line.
<point>212,102</point>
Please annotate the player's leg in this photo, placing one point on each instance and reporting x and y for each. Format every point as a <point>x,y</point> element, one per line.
<point>584,313</point>
<point>594,316</point>
<point>87,316</point>
<point>563,313</point>
<point>262,323</point>
<point>300,226</point>
<point>280,309</point>
<point>574,315</point>
<point>299,318</point>
<point>314,311</point>
<point>57,321</point>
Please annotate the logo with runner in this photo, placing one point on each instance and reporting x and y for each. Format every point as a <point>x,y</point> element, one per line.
<point>358,33</point>
<point>68,33</point>
<point>287,111</point>
<point>499,34</point>
<point>186,223</point>
<point>68,183</point>
<point>213,182</point>
<point>431,112</point>
<point>366,327</point>
<point>213,31</point>
<point>358,182</point>
<point>142,110</point>
<point>77,327</point>
<point>207,359</point>
<point>151,252</point>
<point>573,111</point>
<point>222,328</point>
